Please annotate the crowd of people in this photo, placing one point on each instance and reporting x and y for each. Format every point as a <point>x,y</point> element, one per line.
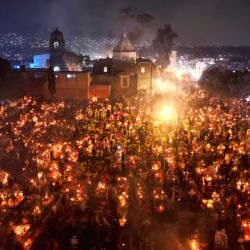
<point>166,171</point>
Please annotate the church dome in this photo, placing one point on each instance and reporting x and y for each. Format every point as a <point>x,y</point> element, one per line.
<point>124,45</point>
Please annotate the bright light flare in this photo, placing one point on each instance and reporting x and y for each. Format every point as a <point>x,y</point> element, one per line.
<point>194,245</point>
<point>122,221</point>
<point>164,86</point>
<point>167,114</point>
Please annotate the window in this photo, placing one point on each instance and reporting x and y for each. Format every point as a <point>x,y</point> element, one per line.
<point>142,70</point>
<point>105,69</point>
<point>70,76</point>
<point>125,82</point>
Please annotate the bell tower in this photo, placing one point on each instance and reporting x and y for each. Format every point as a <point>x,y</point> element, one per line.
<point>57,42</point>
<point>57,50</point>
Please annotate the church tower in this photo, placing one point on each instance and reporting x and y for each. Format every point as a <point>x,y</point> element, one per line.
<point>57,50</point>
<point>57,42</point>
<point>124,50</point>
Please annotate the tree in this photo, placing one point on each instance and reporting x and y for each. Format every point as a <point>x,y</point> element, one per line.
<point>52,81</point>
<point>226,83</point>
<point>86,62</point>
<point>163,44</point>
<point>11,83</point>
<point>245,86</point>
<point>5,69</point>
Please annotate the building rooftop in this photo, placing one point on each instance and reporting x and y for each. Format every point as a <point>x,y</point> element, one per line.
<point>57,32</point>
<point>124,45</point>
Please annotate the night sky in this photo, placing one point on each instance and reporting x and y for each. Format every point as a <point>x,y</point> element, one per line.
<point>223,22</point>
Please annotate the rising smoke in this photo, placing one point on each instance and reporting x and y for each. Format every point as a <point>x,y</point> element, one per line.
<point>163,44</point>
<point>137,24</point>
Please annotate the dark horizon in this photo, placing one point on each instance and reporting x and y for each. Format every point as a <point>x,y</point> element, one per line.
<point>223,22</point>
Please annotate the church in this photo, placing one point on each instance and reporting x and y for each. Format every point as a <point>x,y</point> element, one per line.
<point>125,72</point>
<point>124,50</point>
<point>58,56</point>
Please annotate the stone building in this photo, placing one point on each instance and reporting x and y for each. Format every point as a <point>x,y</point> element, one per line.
<point>110,77</point>
<point>119,75</point>
<point>125,73</point>
<point>69,85</point>
<point>146,72</point>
